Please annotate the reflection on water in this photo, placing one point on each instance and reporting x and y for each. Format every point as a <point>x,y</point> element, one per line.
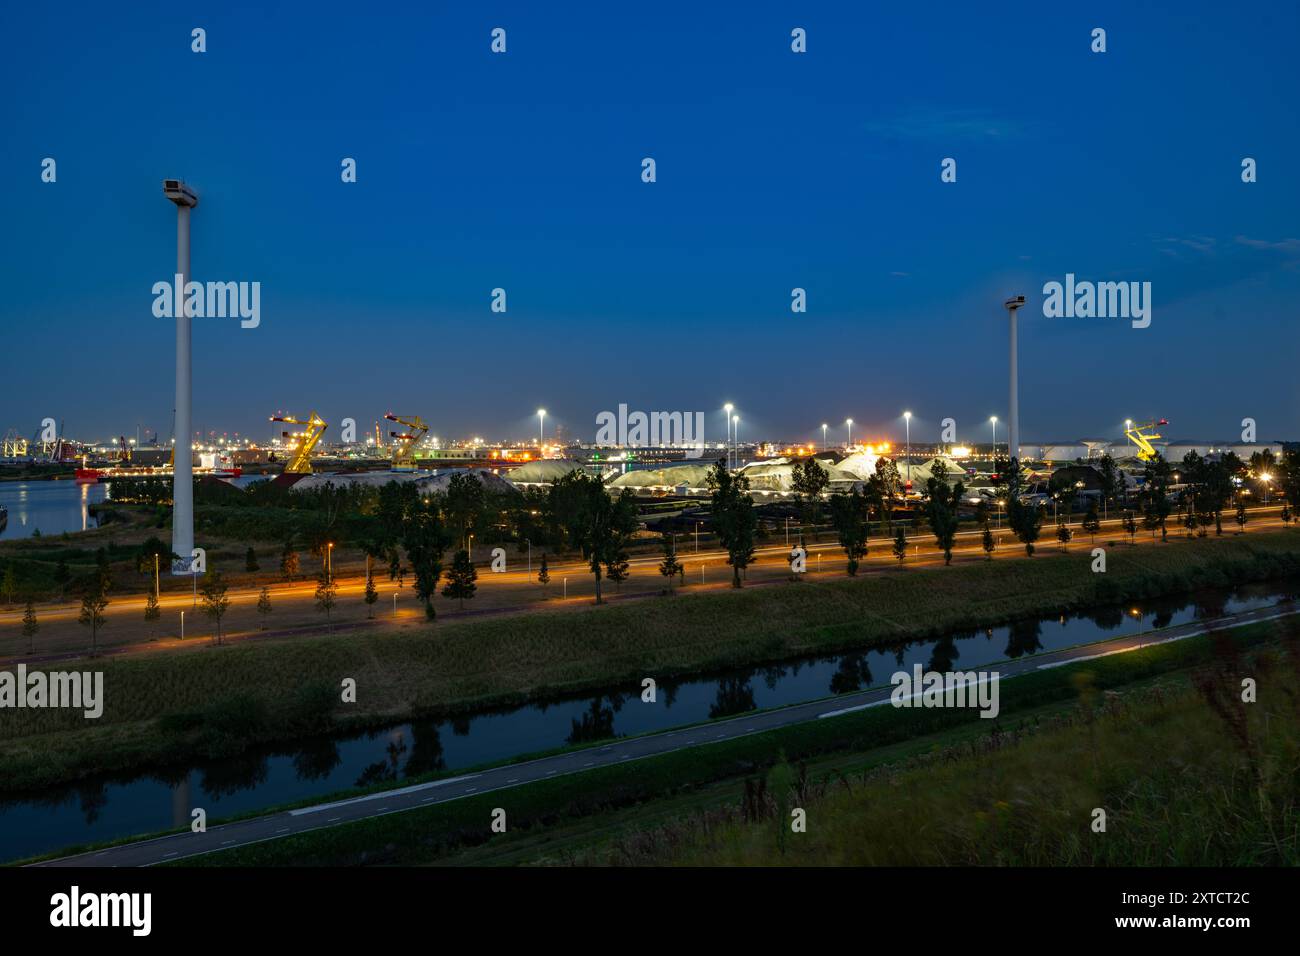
<point>55,507</point>
<point>50,507</point>
<point>139,803</point>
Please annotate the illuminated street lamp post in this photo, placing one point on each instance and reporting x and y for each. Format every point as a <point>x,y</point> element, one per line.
<point>541,430</point>
<point>994,420</point>
<point>735,436</point>
<point>727,408</point>
<point>1128,426</point>
<point>848,422</point>
<point>907,421</point>
<point>823,436</point>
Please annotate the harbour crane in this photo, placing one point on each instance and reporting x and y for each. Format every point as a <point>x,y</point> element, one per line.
<point>15,445</point>
<point>303,442</point>
<point>404,443</point>
<point>1143,434</point>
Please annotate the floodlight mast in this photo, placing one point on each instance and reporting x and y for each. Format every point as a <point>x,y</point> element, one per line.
<point>182,453</point>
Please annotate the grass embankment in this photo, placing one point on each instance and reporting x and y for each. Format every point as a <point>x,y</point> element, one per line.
<point>1047,756</point>
<point>35,560</point>
<point>216,701</point>
<point>1194,778</point>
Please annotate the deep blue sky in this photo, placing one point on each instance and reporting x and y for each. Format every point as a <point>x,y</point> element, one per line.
<point>775,170</point>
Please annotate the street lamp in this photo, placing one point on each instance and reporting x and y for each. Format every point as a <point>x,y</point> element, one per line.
<point>735,436</point>
<point>994,421</point>
<point>907,420</point>
<point>823,436</point>
<point>541,429</point>
<point>1128,427</point>
<point>1013,443</point>
<point>183,468</point>
<point>849,423</point>
<point>727,408</point>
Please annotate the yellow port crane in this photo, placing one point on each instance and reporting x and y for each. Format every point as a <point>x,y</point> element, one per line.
<point>1143,434</point>
<point>303,442</point>
<point>404,445</point>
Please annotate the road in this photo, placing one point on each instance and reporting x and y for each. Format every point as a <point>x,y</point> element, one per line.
<point>274,826</point>
<point>514,591</point>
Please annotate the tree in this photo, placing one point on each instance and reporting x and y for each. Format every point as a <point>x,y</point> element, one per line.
<point>616,567</point>
<point>1092,522</point>
<point>590,520</point>
<point>8,583</point>
<point>1212,485</point>
<point>1288,477</point>
<point>1155,495</point>
<point>425,541</point>
<point>850,516</point>
<point>1060,489</point>
<point>30,626</point>
<point>1026,521</point>
<point>1111,479</point>
<point>941,509</point>
<point>152,612</point>
<point>250,560</point>
<point>1286,515</point>
<point>669,567</point>
<point>734,520</point>
<point>289,561</point>
<point>93,602</point>
<point>544,573</point>
<point>1130,526</point>
<point>1063,535</point>
<point>371,595</point>
<point>215,599</point>
<point>988,543</point>
<point>900,544</point>
<point>1241,514</point>
<point>883,487</point>
<point>808,482</point>
<point>461,578</point>
<point>264,604</point>
<point>62,577</point>
<point>1005,478</point>
<point>103,570</point>
<point>326,598</point>
<point>465,500</point>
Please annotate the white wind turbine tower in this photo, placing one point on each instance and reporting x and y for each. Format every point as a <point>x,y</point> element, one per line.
<point>183,457</point>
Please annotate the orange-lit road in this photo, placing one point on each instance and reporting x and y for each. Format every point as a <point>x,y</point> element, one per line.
<point>514,590</point>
